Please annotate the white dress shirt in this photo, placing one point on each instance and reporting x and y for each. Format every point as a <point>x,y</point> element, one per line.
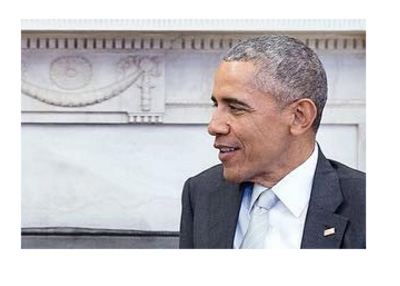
<point>287,217</point>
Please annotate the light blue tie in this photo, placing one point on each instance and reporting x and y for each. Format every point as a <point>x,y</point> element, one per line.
<point>258,226</point>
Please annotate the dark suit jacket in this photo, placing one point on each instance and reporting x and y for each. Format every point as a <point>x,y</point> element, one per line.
<point>210,209</point>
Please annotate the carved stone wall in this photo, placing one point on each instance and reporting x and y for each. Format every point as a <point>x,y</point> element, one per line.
<point>60,79</point>
<point>114,120</point>
<point>146,77</point>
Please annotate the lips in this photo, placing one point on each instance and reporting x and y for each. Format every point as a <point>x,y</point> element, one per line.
<point>226,152</point>
<point>227,149</point>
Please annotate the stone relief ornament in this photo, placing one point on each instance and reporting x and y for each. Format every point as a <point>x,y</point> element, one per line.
<point>73,73</point>
<point>126,66</point>
<point>150,68</point>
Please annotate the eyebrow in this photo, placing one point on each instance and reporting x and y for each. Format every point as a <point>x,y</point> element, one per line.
<point>230,100</point>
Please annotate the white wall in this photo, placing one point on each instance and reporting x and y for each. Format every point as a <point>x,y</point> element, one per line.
<point>127,177</point>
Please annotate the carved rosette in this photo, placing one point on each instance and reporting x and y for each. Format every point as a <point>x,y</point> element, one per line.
<point>71,73</point>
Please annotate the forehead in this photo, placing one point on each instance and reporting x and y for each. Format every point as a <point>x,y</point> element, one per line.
<point>236,80</point>
<point>235,73</point>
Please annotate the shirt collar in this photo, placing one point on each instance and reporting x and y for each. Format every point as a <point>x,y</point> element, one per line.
<point>295,188</point>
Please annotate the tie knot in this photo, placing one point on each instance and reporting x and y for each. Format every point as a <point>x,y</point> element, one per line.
<point>267,200</point>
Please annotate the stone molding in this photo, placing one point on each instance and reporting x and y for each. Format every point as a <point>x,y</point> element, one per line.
<point>195,24</point>
<point>179,41</point>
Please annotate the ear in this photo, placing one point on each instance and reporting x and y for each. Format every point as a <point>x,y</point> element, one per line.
<point>304,113</point>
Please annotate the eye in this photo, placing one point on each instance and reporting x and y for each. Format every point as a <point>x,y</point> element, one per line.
<point>236,109</point>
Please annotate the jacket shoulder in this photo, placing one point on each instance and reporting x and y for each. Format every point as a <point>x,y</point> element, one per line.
<point>345,172</point>
<point>352,182</point>
<point>213,172</point>
<point>207,180</point>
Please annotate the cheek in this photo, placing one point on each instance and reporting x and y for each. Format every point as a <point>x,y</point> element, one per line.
<point>261,143</point>
<point>253,147</point>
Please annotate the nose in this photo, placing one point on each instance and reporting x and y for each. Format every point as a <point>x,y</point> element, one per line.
<point>218,125</point>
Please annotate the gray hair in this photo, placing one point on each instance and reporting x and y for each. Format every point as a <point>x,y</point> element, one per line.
<point>287,69</point>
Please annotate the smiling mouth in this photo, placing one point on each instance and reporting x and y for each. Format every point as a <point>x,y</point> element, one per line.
<point>226,152</point>
<point>227,149</point>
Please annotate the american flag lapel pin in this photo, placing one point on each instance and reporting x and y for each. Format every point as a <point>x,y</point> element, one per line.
<point>329,231</point>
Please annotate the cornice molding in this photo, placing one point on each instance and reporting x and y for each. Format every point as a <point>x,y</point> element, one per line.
<point>177,41</point>
<point>194,24</point>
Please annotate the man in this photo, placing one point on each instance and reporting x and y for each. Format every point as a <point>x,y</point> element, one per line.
<point>275,188</point>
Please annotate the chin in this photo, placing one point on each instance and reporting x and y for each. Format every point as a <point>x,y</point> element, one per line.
<point>232,176</point>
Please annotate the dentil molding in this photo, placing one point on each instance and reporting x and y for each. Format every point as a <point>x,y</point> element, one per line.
<point>179,41</point>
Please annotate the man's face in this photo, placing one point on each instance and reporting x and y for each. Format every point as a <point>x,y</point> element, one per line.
<point>250,131</point>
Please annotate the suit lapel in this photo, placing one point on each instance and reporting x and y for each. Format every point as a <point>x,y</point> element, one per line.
<point>324,228</point>
<point>223,213</point>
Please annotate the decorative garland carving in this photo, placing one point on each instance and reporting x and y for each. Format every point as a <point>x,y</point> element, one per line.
<point>132,68</point>
<point>77,99</point>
